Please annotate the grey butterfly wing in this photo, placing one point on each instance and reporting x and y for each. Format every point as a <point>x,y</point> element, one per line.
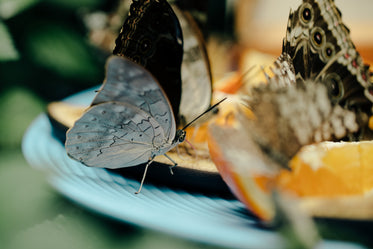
<point>129,82</point>
<point>195,69</point>
<point>113,135</point>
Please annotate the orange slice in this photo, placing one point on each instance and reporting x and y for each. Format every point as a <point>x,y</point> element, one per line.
<point>248,175</point>
<point>330,170</point>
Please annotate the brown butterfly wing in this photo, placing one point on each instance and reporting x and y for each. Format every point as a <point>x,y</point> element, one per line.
<point>151,36</point>
<point>321,49</point>
<point>319,44</point>
<point>289,114</point>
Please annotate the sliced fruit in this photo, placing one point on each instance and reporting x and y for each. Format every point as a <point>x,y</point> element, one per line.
<point>65,113</point>
<point>249,175</point>
<point>330,170</point>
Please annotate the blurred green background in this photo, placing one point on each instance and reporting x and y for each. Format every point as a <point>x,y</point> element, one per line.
<point>46,54</point>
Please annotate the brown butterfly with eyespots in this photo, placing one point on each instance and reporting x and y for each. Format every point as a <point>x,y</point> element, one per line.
<point>321,49</point>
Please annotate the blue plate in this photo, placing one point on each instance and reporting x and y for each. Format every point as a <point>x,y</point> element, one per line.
<point>199,217</point>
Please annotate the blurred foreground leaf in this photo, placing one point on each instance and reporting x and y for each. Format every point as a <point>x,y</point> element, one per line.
<point>18,107</point>
<point>22,194</point>
<point>7,49</point>
<point>61,50</point>
<point>10,8</point>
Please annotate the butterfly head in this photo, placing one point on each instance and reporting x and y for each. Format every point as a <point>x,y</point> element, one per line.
<point>179,137</point>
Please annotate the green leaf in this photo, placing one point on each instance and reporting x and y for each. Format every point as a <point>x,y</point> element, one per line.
<point>7,49</point>
<point>10,8</point>
<point>61,50</point>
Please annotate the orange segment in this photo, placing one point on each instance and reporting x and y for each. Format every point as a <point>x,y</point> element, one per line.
<point>326,169</point>
<point>249,185</point>
<point>245,173</point>
<point>197,134</point>
<point>330,170</point>
<point>366,161</point>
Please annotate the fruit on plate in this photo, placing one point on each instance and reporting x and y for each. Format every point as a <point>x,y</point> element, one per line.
<point>330,170</point>
<point>249,175</point>
<point>330,179</point>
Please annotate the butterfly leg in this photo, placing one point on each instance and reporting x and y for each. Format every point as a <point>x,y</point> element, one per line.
<point>171,167</point>
<point>143,176</point>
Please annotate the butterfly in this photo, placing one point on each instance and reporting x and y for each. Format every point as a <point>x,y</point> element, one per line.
<point>130,108</point>
<point>291,113</point>
<point>166,41</point>
<point>321,49</point>
<point>129,122</point>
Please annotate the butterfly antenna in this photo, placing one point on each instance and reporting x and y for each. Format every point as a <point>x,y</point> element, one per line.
<point>265,74</point>
<point>212,107</point>
<point>143,176</point>
<point>247,76</point>
<point>248,72</point>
